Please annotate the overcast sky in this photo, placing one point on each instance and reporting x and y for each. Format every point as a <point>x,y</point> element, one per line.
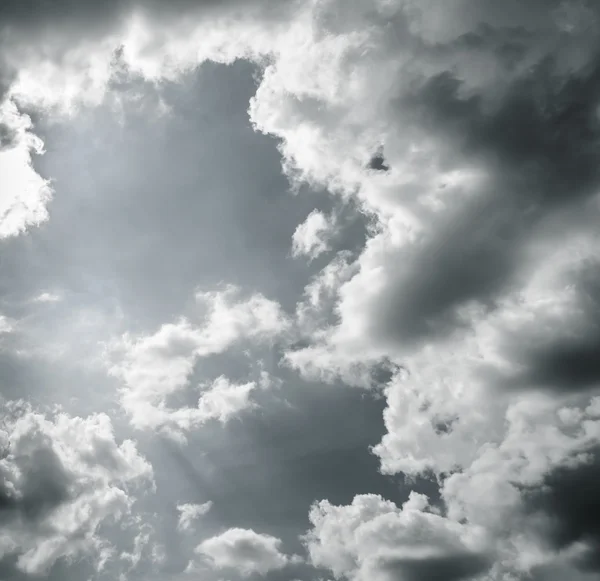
<point>300,290</point>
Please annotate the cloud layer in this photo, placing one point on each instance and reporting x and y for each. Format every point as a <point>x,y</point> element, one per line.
<point>467,135</point>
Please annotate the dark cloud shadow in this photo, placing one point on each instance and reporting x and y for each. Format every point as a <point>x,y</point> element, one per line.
<point>569,500</point>
<point>540,147</point>
<point>445,568</point>
<point>564,359</point>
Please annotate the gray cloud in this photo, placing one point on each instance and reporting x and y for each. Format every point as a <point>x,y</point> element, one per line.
<point>486,121</point>
<point>62,478</point>
<point>45,486</point>
<point>571,509</point>
<point>454,568</point>
<point>540,145</point>
<point>562,358</point>
<point>61,19</point>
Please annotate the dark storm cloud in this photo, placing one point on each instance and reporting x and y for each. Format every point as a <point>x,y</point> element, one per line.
<point>540,147</point>
<point>569,500</point>
<point>447,568</point>
<point>466,260</point>
<point>567,364</point>
<point>572,362</point>
<point>565,357</point>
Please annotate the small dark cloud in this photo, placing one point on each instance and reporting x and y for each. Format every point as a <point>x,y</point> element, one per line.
<point>444,425</point>
<point>378,163</point>
<point>382,372</point>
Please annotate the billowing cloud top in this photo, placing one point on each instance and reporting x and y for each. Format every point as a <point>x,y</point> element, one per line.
<point>165,299</point>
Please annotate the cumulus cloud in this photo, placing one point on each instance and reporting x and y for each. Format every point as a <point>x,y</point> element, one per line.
<point>24,194</point>
<point>157,367</point>
<point>189,513</point>
<point>544,445</point>
<point>311,238</point>
<point>244,550</point>
<point>374,539</point>
<point>224,400</point>
<point>490,154</point>
<point>62,478</point>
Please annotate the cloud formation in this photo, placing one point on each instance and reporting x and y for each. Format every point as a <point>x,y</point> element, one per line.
<point>311,237</point>
<point>469,134</point>
<point>374,539</point>
<point>63,478</point>
<point>244,550</point>
<point>189,513</point>
<point>157,367</point>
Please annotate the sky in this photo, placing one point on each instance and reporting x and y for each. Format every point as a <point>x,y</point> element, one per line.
<point>300,290</point>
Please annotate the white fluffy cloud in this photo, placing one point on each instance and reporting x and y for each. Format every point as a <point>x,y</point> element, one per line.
<point>374,539</point>
<point>223,400</point>
<point>157,367</point>
<point>189,513</point>
<point>245,551</point>
<point>495,490</point>
<point>24,194</point>
<point>311,238</point>
<point>62,478</point>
